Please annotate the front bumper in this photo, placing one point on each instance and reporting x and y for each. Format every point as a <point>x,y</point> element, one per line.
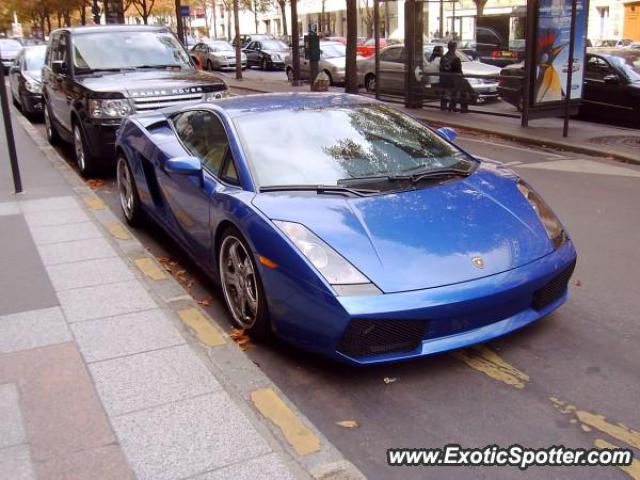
<point>101,139</point>
<point>32,103</point>
<point>439,319</point>
<point>486,91</point>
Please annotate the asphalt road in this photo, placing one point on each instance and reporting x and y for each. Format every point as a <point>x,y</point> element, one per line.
<point>572,379</point>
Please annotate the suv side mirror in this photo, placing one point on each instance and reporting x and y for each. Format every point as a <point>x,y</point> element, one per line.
<point>59,67</point>
<point>611,79</point>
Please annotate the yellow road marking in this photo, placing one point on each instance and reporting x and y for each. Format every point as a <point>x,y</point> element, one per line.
<point>632,470</point>
<point>150,268</point>
<point>269,404</point>
<point>205,331</point>
<point>118,231</point>
<point>490,363</point>
<point>94,202</point>
<point>598,422</point>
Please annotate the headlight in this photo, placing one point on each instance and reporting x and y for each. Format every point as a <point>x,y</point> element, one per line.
<point>333,267</point>
<point>33,86</point>
<point>274,57</point>
<point>549,220</point>
<point>212,96</point>
<point>109,108</point>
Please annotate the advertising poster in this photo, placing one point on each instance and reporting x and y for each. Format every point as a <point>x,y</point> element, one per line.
<point>552,50</point>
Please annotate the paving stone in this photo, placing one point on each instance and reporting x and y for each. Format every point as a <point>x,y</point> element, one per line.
<point>15,463</point>
<point>11,427</point>
<point>104,301</point>
<point>89,273</point>
<point>189,437</point>
<point>48,203</point>
<point>101,463</point>
<point>56,217</point>
<point>9,208</point>
<point>31,329</point>
<point>149,379</point>
<point>266,467</point>
<point>64,233</point>
<point>76,251</point>
<point>126,334</point>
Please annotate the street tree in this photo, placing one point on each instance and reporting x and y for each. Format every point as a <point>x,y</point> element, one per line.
<point>351,74</point>
<point>142,7</point>
<point>480,4</point>
<point>283,11</point>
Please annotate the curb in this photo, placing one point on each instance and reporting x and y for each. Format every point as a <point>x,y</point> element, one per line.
<point>236,372</point>
<point>526,139</point>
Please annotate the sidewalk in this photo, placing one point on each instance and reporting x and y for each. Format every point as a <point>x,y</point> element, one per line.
<point>584,137</point>
<point>108,369</point>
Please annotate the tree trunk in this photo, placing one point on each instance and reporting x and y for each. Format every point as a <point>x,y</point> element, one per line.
<point>283,9</point>
<point>215,19</point>
<point>480,7</point>
<point>67,18</point>
<point>179,29</point>
<point>236,22</point>
<point>351,74</point>
<point>295,42</point>
<point>48,23</point>
<point>83,14</point>
<point>255,14</point>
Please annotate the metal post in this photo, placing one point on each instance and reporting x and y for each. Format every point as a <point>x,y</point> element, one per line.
<point>529,70</point>
<point>376,37</point>
<point>441,18</point>
<point>567,97</point>
<point>11,144</point>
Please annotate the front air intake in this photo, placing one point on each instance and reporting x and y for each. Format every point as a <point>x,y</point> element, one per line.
<point>364,337</point>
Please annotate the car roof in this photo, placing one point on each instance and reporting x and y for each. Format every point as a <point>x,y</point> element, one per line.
<point>269,102</point>
<point>112,28</point>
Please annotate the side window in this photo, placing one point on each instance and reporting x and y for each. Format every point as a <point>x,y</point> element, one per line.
<point>597,68</point>
<point>393,55</point>
<point>51,48</point>
<point>204,137</point>
<point>59,51</point>
<point>230,173</point>
<point>251,46</point>
<point>257,45</point>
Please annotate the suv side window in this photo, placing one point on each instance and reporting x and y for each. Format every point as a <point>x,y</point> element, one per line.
<point>597,68</point>
<point>59,50</point>
<point>53,44</point>
<point>204,137</point>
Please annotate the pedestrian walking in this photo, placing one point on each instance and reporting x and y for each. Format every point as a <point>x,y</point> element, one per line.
<point>452,81</point>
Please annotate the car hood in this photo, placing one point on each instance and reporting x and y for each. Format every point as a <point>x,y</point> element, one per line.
<point>478,68</point>
<point>424,238</point>
<point>150,81</point>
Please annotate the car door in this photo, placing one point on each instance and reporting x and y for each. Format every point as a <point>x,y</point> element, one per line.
<point>252,53</point>
<point>604,89</point>
<point>14,74</point>
<point>61,82</point>
<point>392,69</point>
<point>202,135</point>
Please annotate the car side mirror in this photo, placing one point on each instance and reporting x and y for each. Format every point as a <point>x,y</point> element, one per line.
<point>447,133</point>
<point>612,79</point>
<point>59,67</point>
<point>184,166</point>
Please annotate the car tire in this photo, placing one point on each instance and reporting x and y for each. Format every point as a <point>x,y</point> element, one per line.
<point>239,272</point>
<point>520,103</point>
<point>50,127</point>
<point>209,66</point>
<point>290,74</point>
<point>128,193</point>
<point>326,72</point>
<point>263,64</point>
<point>85,161</point>
<point>370,83</point>
<point>15,102</point>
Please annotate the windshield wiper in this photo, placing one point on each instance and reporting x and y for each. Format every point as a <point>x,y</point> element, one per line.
<point>172,65</point>
<point>415,178</point>
<point>330,189</point>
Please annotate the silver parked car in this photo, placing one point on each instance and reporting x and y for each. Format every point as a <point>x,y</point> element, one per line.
<point>332,62</point>
<point>216,55</point>
<point>482,78</point>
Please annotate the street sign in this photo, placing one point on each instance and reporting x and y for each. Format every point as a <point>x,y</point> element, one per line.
<point>185,11</point>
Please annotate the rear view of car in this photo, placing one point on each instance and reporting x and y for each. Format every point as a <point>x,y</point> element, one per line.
<point>25,79</point>
<point>9,48</point>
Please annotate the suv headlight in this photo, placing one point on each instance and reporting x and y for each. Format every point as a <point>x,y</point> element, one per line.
<point>549,220</point>
<point>33,86</point>
<point>109,108</point>
<point>212,96</point>
<point>343,277</point>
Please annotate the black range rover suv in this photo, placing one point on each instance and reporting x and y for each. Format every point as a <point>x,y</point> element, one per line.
<point>95,76</point>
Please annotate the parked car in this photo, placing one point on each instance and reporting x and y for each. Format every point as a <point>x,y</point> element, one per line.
<point>332,63</point>
<point>9,48</point>
<point>613,43</point>
<point>482,78</point>
<point>216,55</point>
<point>368,47</point>
<point>95,76</point>
<point>491,48</point>
<point>373,239</point>
<point>253,37</point>
<point>611,84</point>
<point>25,79</point>
<point>267,54</point>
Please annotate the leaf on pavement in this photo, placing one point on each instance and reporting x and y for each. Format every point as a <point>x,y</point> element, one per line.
<point>241,339</point>
<point>578,283</point>
<point>348,424</point>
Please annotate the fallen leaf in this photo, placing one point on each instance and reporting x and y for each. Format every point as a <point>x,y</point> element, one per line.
<point>348,424</point>
<point>578,283</point>
<point>389,380</point>
<point>205,302</point>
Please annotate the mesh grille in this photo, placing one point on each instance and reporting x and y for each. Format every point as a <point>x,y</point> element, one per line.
<point>372,337</point>
<point>553,290</point>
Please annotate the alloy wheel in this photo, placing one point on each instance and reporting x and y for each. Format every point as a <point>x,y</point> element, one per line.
<point>78,148</point>
<point>239,283</point>
<point>125,188</point>
<point>371,84</point>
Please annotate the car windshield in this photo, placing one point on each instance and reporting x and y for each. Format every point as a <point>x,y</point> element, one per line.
<point>629,63</point>
<point>8,45</point>
<point>333,50</point>
<point>221,47</point>
<point>34,59</point>
<point>110,50</point>
<point>324,145</point>
<point>428,50</point>
<point>273,45</point>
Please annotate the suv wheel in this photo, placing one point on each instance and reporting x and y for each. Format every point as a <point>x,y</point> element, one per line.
<point>52,135</point>
<point>86,163</point>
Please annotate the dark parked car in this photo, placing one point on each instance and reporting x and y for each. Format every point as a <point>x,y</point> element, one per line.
<point>95,76</point>
<point>9,48</point>
<point>25,79</point>
<point>611,84</point>
<point>266,54</point>
<point>490,47</point>
<point>254,37</point>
